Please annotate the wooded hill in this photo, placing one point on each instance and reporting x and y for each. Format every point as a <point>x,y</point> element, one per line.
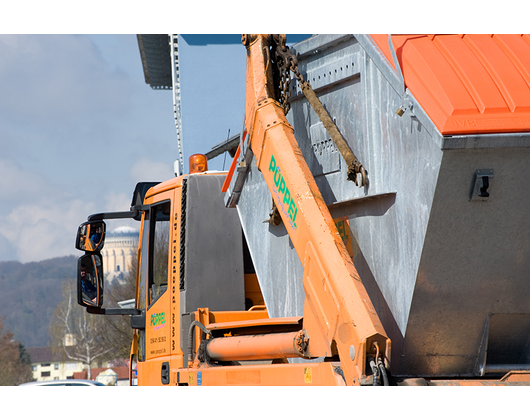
<point>29,293</point>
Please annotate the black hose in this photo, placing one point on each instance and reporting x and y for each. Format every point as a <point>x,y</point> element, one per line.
<point>190,337</point>
<point>375,372</point>
<point>382,369</point>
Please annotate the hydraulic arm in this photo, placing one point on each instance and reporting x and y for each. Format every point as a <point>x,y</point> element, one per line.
<point>232,288</point>
<point>339,317</point>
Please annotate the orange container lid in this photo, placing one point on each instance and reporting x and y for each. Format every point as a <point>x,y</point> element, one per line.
<point>467,84</point>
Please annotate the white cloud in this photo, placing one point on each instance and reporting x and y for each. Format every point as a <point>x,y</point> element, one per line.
<point>117,202</point>
<point>75,116</point>
<point>146,169</point>
<point>61,105</point>
<point>44,230</point>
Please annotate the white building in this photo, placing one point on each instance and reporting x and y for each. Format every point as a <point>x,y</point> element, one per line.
<point>121,245</point>
<point>47,366</point>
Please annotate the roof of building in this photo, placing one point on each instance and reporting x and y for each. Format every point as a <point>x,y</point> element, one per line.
<point>41,354</point>
<point>156,60</point>
<point>123,231</point>
<point>155,53</point>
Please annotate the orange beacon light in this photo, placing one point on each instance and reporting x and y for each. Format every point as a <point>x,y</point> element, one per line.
<point>198,163</point>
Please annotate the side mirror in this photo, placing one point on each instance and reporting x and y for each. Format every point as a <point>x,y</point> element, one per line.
<point>90,280</point>
<point>90,236</point>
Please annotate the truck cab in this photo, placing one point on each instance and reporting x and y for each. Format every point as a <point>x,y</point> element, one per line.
<point>191,254</point>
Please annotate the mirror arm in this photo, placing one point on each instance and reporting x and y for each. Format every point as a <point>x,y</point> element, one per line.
<point>116,311</point>
<point>114,215</point>
<point>137,316</point>
<point>140,207</point>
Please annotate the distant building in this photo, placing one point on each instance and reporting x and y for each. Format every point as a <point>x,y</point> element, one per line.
<point>46,366</point>
<point>121,372</point>
<point>121,245</point>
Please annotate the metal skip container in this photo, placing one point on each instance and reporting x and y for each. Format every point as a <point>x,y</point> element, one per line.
<point>439,235</point>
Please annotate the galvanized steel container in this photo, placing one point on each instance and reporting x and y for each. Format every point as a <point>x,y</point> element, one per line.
<point>448,270</point>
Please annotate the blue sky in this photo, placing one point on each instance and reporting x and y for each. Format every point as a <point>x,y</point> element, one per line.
<point>79,128</point>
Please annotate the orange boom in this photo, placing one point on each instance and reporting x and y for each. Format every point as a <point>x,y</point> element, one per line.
<point>401,154</point>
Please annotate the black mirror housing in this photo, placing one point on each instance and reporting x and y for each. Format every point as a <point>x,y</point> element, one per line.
<point>90,280</point>
<point>91,236</point>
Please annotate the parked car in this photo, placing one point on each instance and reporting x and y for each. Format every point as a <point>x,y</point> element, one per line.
<point>65,382</point>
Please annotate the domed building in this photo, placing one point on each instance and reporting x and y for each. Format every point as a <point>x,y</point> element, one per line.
<point>121,245</point>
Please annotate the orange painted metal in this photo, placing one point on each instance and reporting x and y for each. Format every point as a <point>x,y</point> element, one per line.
<point>339,318</point>
<point>230,173</point>
<point>519,376</point>
<point>467,83</point>
<point>254,347</point>
<point>515,378</point>
<point>298,374</point>
<point>254,322</point>
<point>237,317</point>
<point>338,314</point>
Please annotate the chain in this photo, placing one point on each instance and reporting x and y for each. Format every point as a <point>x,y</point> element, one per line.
<point>287,62</point>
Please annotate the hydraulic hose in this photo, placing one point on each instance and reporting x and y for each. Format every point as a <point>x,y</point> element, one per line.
<point>382,369</point>
<point>375,372</point>
<point>379,370</point>
<point>190,338</point>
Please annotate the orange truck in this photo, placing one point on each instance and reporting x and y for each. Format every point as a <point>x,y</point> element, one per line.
<point>371,230</point>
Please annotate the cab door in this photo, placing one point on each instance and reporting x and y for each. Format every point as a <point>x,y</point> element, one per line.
<point>154,369</point>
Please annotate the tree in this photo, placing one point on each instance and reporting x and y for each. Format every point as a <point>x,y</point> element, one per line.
<point>118,333</point>
<point>15,364</point>
<point>76,334</point>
